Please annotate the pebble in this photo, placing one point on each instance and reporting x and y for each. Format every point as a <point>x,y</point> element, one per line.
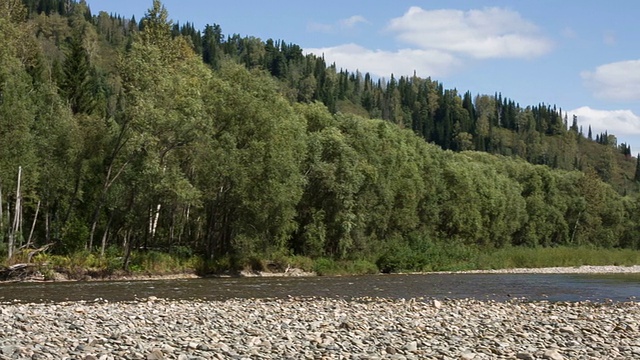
<point>319,328</point>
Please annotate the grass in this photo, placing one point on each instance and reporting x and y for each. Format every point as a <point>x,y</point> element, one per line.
<point>83,264</point>
<point>424,256</point>
<point>518,257</point>
<point>398,258</point>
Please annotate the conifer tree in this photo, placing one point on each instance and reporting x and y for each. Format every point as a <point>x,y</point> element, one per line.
<point>76,84</point>
<point>211,50</point>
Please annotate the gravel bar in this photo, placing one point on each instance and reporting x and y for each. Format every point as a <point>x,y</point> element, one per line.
<point>584,269</point>
<point>320,328</point>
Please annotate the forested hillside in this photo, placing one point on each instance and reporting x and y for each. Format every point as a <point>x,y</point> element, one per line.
<point>121,135</point>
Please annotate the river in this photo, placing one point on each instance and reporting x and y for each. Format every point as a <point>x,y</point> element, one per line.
<point>499,287</point>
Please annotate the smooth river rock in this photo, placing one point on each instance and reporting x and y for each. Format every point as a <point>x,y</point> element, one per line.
<point>319,328</point>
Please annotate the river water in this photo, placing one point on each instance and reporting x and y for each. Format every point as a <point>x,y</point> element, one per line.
<point>499,287</point>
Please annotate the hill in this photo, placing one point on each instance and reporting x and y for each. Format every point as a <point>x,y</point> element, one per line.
<point>122,136</point>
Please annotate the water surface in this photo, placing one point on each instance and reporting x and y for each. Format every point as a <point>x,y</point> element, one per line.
<point>499,287</point>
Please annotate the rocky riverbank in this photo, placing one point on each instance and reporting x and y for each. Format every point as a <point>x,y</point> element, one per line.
<point>320,329</point>
<point>584,269</point>
<point>31,272</point>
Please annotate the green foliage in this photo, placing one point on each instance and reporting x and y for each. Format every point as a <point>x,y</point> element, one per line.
<point>171,150</point>
<point>159,263</point>
<point>326,267</point>
<point>420,254</point>
<point>522,257</point>
<point>74,237</point>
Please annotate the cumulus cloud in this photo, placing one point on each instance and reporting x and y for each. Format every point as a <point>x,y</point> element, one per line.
<point>353,21</point>
<point>487,33</point>
<point>615,81</point>
<point>384,63</point>
<point>342,24</point>
<point>440,40</point>
<point>618,122</point>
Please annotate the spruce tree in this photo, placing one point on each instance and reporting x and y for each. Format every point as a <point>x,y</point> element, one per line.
<point>76,84</point>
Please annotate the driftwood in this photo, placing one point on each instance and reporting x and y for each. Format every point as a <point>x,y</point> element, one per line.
<point>24,271</point>
<point>20,272</point>
<point>35,252</point>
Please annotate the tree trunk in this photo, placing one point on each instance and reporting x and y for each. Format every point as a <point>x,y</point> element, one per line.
<point>127,250</point>
<point>105,235</point>
<point>33,225</point>
<point>1,218</point>
<point>16,217</point>
<point>108,181</point>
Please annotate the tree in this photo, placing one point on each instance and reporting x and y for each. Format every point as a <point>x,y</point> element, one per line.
<point>77,84</point>
<point>248,165</point>
<point>157,26</point>
<point>211,48</point>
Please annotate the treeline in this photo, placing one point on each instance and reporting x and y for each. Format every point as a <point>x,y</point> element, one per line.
<point>128,140</point>
<point>541,134</point>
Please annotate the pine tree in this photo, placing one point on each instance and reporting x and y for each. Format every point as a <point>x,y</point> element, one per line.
<point>636,178</point>
<point>574,124</point>
<point>211,50</point>
<point>77,82</point>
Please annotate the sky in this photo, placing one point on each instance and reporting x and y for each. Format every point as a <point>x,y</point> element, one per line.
<point>582,56</point>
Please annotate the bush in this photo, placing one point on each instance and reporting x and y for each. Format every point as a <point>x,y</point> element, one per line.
<point>325,266</point>
<point>361,267</point>
<point>419,254</point>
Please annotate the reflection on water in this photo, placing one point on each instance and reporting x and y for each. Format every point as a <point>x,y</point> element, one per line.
<point>500,287</point>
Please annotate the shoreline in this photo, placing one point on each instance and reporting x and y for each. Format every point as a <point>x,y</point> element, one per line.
<point>584,269</point>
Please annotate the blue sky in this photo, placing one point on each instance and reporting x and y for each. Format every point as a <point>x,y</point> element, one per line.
<point>582,56</point>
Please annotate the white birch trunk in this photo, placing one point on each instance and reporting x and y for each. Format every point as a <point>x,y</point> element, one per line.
<point>1,218</point>
<point>33,225</point>
<point>16,217</point>
<point>154,224</point>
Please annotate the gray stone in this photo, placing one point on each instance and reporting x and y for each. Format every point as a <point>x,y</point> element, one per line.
<point>437,304</point>
<point>568,329</point>
<point>467,355</point>
<point>525,356</point>
<point>552,355</point>
<point>411,346</point>
<point>9,350</point>
<point>155,354</point>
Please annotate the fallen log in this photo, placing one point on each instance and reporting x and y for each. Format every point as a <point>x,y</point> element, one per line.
<point>20,272</point>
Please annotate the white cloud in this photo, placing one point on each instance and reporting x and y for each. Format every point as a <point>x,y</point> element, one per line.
<point>384,63</point>
<point>487,33</point>
<point>348,23</point>
<point>615,81</point>
<point>617,122</point>
<point>353,21</point>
